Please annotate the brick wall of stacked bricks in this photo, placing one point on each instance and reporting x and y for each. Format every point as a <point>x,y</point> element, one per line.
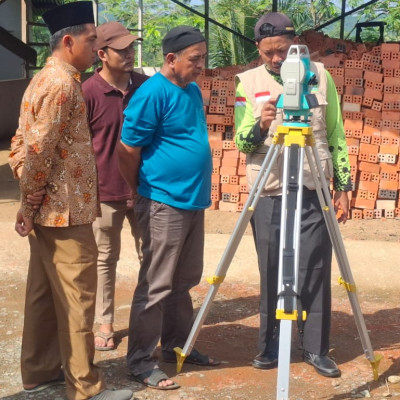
<point>367,78</point>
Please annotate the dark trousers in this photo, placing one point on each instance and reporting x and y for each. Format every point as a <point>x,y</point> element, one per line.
<point>172,246</point>
<point>315,257</point>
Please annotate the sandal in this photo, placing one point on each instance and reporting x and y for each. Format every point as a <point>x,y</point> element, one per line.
<point>45,385</point>
<point>194,357</point>
<point>154,377</point>
<point>106,337</point>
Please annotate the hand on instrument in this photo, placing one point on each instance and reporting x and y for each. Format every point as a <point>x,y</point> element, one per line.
<point>268,114</point>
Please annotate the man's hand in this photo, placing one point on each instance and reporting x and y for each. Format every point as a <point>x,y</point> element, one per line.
<point>341,202</point>
<point>36,198</point>
<point>129,161</point>
<point>132,201</point>
<point>268,114</point>
<point>23,225</point>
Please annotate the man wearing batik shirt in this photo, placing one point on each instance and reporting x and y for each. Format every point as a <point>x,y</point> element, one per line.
<point>256,121</point>
<point>52,151</point>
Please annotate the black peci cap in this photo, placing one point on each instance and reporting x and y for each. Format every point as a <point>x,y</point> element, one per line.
<point>181,37</point>
<point>273,24</point>
<point>71,14</point>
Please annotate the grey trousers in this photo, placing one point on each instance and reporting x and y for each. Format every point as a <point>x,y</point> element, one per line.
<point>315,260</point>
<point>172,248</point>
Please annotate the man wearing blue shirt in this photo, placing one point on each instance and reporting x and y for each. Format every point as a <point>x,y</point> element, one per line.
<point>165,157</point>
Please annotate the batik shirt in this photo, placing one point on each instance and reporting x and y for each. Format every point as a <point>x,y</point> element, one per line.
<point>52,149</point>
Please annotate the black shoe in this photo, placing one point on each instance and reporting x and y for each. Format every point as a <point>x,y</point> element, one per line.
<point>324,365</point>
<point>270,360</point>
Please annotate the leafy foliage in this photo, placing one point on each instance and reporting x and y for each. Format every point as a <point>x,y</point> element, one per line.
<point>387,11</point>
<point>225,48</point>
<point>159,16</point>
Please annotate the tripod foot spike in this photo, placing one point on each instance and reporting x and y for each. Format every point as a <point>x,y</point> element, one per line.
<point>375,365</point>
<point>180,358</point>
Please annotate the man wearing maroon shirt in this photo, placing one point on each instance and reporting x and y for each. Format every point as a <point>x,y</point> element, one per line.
<point>107,93</point>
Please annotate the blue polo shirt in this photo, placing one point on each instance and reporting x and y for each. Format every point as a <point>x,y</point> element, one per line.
<point>168,122</point>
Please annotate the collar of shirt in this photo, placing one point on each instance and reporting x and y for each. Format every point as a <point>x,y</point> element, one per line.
<point>68,68</point>
<point>133,83</point>
<point>276,76</point>
<point>105,86</point>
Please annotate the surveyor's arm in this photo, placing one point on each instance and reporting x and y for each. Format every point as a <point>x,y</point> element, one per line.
<point>337,139</point>
<point>249,135</point>
<point>338,147</point>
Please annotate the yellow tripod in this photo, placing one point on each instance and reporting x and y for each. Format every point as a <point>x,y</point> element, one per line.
<point>297,141</point>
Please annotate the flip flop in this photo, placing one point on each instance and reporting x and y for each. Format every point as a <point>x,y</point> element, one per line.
<point>106,337</point>
<point>45,385</point>
<point>154,377</point>
<point>194,357</point>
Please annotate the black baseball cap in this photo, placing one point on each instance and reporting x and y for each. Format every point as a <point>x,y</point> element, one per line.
<point>273,24</point>
<point>180,37</point>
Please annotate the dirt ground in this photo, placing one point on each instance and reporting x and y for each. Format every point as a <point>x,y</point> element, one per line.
<point>231,328</point>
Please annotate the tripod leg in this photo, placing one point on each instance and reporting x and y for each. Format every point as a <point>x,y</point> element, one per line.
<point>285,341</point>
<point>292,195</point>
<point>341,256</point>
<point>229,252</point>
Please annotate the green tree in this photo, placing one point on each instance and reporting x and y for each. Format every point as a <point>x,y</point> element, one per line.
<point>226,48</point>
<point>308,14</point>
<point>159,17</point>
<point>387,11</point>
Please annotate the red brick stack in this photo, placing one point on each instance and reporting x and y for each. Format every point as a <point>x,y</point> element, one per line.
<point>229,189</point>
<point>368,81</point>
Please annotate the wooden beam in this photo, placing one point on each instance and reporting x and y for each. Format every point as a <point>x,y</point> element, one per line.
<point>17,47</point>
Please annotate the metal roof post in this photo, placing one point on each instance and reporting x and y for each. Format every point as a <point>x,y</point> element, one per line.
<point>342,19</point>
<point>140,34</point>
<point>26,16</point>
<point>207,24</point>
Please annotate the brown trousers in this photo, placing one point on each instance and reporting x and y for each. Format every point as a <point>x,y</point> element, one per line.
<point>59,310</point>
